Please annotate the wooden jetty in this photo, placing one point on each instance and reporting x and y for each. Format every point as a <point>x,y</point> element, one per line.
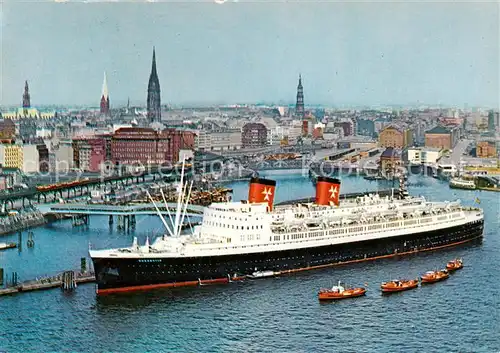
<point>59,281</point>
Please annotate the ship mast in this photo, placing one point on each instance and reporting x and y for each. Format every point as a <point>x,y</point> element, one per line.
<point>159,214</point>
<point>182,202</point>
<point>179,198</point>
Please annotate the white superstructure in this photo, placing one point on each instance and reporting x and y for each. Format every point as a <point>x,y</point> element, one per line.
<point>232,228</point>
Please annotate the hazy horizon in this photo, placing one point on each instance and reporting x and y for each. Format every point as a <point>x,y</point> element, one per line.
<point>349,54</point>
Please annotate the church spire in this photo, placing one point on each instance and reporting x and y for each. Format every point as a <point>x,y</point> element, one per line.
<point>104,97</point>
<point>26,96</point>
<point>299,106</point>
<point>154,93</point>
<point>105,87</point>
<point>153,66</point>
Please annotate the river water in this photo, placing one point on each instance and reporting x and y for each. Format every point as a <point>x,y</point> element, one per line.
<point>461,314</point>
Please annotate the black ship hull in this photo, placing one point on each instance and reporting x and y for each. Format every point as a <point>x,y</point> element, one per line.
<point>122,274</point>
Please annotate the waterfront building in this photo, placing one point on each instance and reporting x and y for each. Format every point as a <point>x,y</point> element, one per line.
<point>254,135</point>
<point>422,155</point>
<point>299,105</point>
<point>222,140</point>
<point>104,106</point>
<point>486,149</point>
<point>154,94</point>
<point>441,137</point>
<point>396,137</point>
<point>147,146</point>
<point>390,159</point>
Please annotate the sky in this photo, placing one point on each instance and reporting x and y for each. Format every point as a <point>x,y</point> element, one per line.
<point>349,53</point>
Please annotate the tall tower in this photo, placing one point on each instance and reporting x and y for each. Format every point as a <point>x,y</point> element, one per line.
<point>105,97</point>
<point>26,98</point>
<point>299,106</point>
<point>154,100</point>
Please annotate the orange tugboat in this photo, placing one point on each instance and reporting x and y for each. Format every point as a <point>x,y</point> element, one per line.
<point>454,265</point>
<point>339,292</point>
<point>434,276</point>
<point>399,285</point>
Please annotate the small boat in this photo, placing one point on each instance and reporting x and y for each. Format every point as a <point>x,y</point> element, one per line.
<point>458,183</point>
<point>399,285</point>
<point>262,274</point>
<point>339,292</point>
<point>4,246</point>
<point>454,265</point>
<point>434,276</point>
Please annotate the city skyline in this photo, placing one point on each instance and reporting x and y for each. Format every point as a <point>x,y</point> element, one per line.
<point>373,54</point>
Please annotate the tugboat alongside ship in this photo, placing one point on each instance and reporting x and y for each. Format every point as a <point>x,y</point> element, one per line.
<point>237,239</point>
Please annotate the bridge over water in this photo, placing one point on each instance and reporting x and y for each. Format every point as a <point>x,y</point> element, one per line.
<point>116,210</point>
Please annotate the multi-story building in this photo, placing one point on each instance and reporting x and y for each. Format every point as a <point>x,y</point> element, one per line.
<point>11,156</point>
<point>422,155</point>
<point>107,145</point>
<point>89,154</point>
<point>393,136</point>
<point>84,152</point>
<point>43,157</point>
<point>22,157</point>
<point>61,157</point>
<point>390,160</point>
<point>30,158</point>
<point>441,137</point>
<point>486,149</point>
<point>491,121</point>
<point>366,127</point>
<point>347,125</point>
<point>222,140</point>
<point>254,135</point>
<point>147,146</point>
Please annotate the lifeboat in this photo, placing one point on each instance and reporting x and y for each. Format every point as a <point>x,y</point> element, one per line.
<point>399,285</point>
<point>454,265</point>
<point>339,292</point>
<point>434,276</point>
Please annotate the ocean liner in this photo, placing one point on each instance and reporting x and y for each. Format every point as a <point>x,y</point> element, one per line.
<point>237,239</point>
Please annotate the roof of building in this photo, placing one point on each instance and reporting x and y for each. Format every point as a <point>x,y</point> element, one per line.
<point>438,130</point>
<point>391,153</point>
<point>394,127</point>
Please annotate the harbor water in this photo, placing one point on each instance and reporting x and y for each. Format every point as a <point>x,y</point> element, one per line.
<point>461,314</point>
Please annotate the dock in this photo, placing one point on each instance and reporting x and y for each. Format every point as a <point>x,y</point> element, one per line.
<point>47,283</point>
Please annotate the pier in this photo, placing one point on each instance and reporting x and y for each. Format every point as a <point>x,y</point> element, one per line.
<point>67,280</point>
